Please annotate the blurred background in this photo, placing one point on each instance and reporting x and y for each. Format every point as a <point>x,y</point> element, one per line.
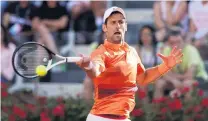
<point>73,27</point>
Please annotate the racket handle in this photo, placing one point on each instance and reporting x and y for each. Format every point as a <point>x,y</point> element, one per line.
<point>73,59</point>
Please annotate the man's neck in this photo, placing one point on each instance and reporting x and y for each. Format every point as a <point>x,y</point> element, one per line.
<point>114,42</point>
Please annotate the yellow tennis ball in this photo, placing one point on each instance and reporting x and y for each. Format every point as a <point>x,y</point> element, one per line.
<point>41,70</point>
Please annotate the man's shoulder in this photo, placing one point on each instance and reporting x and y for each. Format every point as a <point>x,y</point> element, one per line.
<point>132,48</point>
<point>100,49</point>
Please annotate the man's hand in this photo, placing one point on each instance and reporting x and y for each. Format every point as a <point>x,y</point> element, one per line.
<point>84,62</point>
<point>174,58</point>
<point>90,68</point>
<point>154,73</point>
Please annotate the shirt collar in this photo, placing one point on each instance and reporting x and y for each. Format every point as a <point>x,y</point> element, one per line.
<point>116,47</point>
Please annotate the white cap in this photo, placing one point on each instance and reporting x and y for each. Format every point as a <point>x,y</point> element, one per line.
<point>109,11</point>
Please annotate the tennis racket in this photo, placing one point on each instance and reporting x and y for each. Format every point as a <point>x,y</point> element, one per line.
<point>29,55</point>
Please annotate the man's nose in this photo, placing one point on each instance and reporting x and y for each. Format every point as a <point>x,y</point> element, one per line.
<point>118,25</point>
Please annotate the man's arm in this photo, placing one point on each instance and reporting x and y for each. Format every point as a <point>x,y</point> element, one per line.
<point>94,65</point>
<point>154,73</point>
<point>92,70</point>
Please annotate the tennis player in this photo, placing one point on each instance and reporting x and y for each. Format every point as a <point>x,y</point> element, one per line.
<point>116,69</point>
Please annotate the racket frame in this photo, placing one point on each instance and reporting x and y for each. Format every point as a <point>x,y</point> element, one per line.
<point>49,65</point>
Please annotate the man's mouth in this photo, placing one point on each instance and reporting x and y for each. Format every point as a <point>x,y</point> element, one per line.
<point>117,33</point>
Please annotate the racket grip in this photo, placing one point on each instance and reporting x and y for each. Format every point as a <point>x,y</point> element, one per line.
<point>73,59</point>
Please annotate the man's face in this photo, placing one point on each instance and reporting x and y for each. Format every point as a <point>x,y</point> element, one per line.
<point>115,28</point>
<point>23,3</point>
<point>51,4</point>
<point>175,40</point>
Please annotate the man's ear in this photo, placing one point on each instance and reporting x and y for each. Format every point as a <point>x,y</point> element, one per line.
<point>104,27</point>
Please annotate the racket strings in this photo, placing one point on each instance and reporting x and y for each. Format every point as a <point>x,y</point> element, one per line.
<point>30,56</point>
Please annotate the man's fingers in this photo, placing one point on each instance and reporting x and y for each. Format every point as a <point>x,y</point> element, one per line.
<point>79,62</point>
<point>81,55</point>
<point>178,52</point>
<point>178,61</point>
<point>161,56</point>
<point>179,56</point>
<point>173,50</point>
<point>86,59</point>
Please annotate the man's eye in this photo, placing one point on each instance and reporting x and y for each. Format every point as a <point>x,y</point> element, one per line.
<point>121,22</point>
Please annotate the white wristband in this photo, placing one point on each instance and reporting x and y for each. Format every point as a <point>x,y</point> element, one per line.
<point>90,66</point>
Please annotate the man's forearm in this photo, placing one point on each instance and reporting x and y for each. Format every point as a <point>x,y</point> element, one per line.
<point>152,74</point>
<point>92,71</point>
